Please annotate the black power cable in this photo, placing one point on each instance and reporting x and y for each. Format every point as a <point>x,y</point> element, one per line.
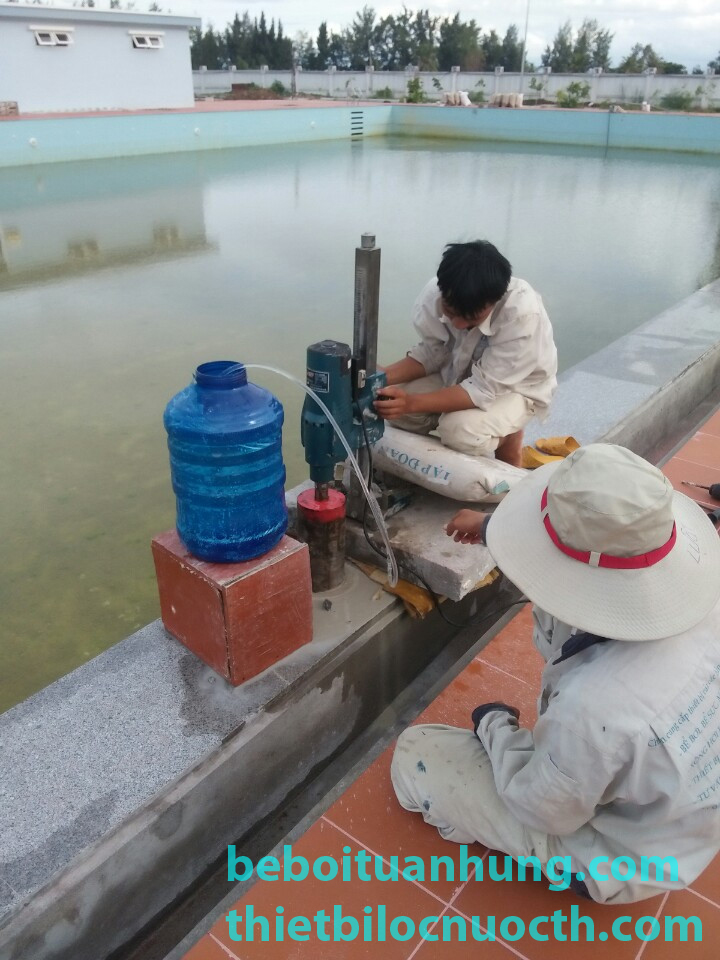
<point>471,621</point>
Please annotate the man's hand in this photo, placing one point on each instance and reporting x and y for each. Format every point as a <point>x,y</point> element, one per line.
<point>394,402</point>
<point>402,371</point>
<point>466,526</point>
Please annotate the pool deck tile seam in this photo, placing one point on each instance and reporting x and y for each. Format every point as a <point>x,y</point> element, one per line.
<point>355,840</point>
<point>226,950</point>
<point>660,909</point>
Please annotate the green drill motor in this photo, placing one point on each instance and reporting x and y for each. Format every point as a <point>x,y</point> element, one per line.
<point>333,376</point>
<point>347,382</point>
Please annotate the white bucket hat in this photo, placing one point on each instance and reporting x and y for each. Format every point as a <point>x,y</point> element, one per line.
<point>602,542</point>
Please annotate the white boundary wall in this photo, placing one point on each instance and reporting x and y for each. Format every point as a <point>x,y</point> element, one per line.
<point>100,69</point>
<point>348,84</point>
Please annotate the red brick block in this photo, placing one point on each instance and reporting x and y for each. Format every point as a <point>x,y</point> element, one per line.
<point>239,618</point>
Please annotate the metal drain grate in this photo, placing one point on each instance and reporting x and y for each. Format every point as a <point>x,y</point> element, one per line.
<point>357,124</point>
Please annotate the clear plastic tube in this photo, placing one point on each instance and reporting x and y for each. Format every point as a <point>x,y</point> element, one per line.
<point>392,569</point>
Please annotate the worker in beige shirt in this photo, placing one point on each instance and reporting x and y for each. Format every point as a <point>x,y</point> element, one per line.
<point>486,361</point>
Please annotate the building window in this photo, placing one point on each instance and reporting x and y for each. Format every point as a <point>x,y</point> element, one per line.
<point>55,37</point>
<point>147,41</point>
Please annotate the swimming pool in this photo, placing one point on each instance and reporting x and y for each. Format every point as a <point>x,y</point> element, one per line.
<point>118,276</point>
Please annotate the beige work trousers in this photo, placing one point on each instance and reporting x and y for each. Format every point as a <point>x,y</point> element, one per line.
<point>477,432</point>
<point>445,774</point>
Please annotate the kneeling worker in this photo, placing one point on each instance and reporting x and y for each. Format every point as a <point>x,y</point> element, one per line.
<point>623,764</point>
<point>486,362</point>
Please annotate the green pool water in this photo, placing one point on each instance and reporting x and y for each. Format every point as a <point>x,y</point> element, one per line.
<point>117,278</point>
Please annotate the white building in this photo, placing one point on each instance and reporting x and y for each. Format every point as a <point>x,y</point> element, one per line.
<point>57,59</point>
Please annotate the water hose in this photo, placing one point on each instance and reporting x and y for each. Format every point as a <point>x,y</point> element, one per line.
<point>392,568</point>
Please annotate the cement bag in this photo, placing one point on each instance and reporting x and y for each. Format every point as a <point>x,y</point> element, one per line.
<point>426,462</point>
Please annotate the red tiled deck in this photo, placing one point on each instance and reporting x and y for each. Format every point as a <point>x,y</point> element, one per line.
<point>367,816</point>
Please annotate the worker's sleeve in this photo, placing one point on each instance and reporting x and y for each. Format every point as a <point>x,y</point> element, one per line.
<point>515,354</point>
<point>550,778</point>
<point>434,348</point>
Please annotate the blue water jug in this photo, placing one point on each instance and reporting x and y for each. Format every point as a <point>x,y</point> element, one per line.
<point>225,442</point>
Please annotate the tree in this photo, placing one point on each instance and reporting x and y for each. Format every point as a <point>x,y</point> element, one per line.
<point>424,36</point>
<point>360,37</point>
<point>304,50</point>
<point>511,50</point>
<point>236,41</point>
<point>261,42</point>
<point>459,44</point>
<point>640,59</point>
<point>208,50</point>
<point>601,49</point>
<point>578,53</point>
<point>245,43</point>
<point>559,57</point>
<point>323,48</point>
<point>283,54</point>
<point>582,51</point>
<point>492,51</point>
<point>339,54</point>
<point>394,42</point>
<point>669,66</point>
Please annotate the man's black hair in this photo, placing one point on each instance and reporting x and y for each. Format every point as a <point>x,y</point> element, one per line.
<point>472,276</point>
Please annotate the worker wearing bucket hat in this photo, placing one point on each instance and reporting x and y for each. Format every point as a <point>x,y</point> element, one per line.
<point>624,760</point>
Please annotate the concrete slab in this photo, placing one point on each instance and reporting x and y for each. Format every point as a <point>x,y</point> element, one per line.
<point>421,546</point>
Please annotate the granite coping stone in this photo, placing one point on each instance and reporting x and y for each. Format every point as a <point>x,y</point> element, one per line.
<point>598,393</point>
<point>91,749</point>
<point>8,896</point>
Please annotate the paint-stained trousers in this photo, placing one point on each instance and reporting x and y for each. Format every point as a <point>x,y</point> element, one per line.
<point>445,774</point>
<point>476,432</point>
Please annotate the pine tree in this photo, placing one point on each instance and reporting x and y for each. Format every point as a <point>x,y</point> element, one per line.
<point>559,56</point>
<point>459,44</point>
<point>323,47</point>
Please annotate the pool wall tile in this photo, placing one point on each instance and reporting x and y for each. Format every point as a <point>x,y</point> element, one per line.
<point>694,133</point>
<point>47,139</point>
<point>34,140</point>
